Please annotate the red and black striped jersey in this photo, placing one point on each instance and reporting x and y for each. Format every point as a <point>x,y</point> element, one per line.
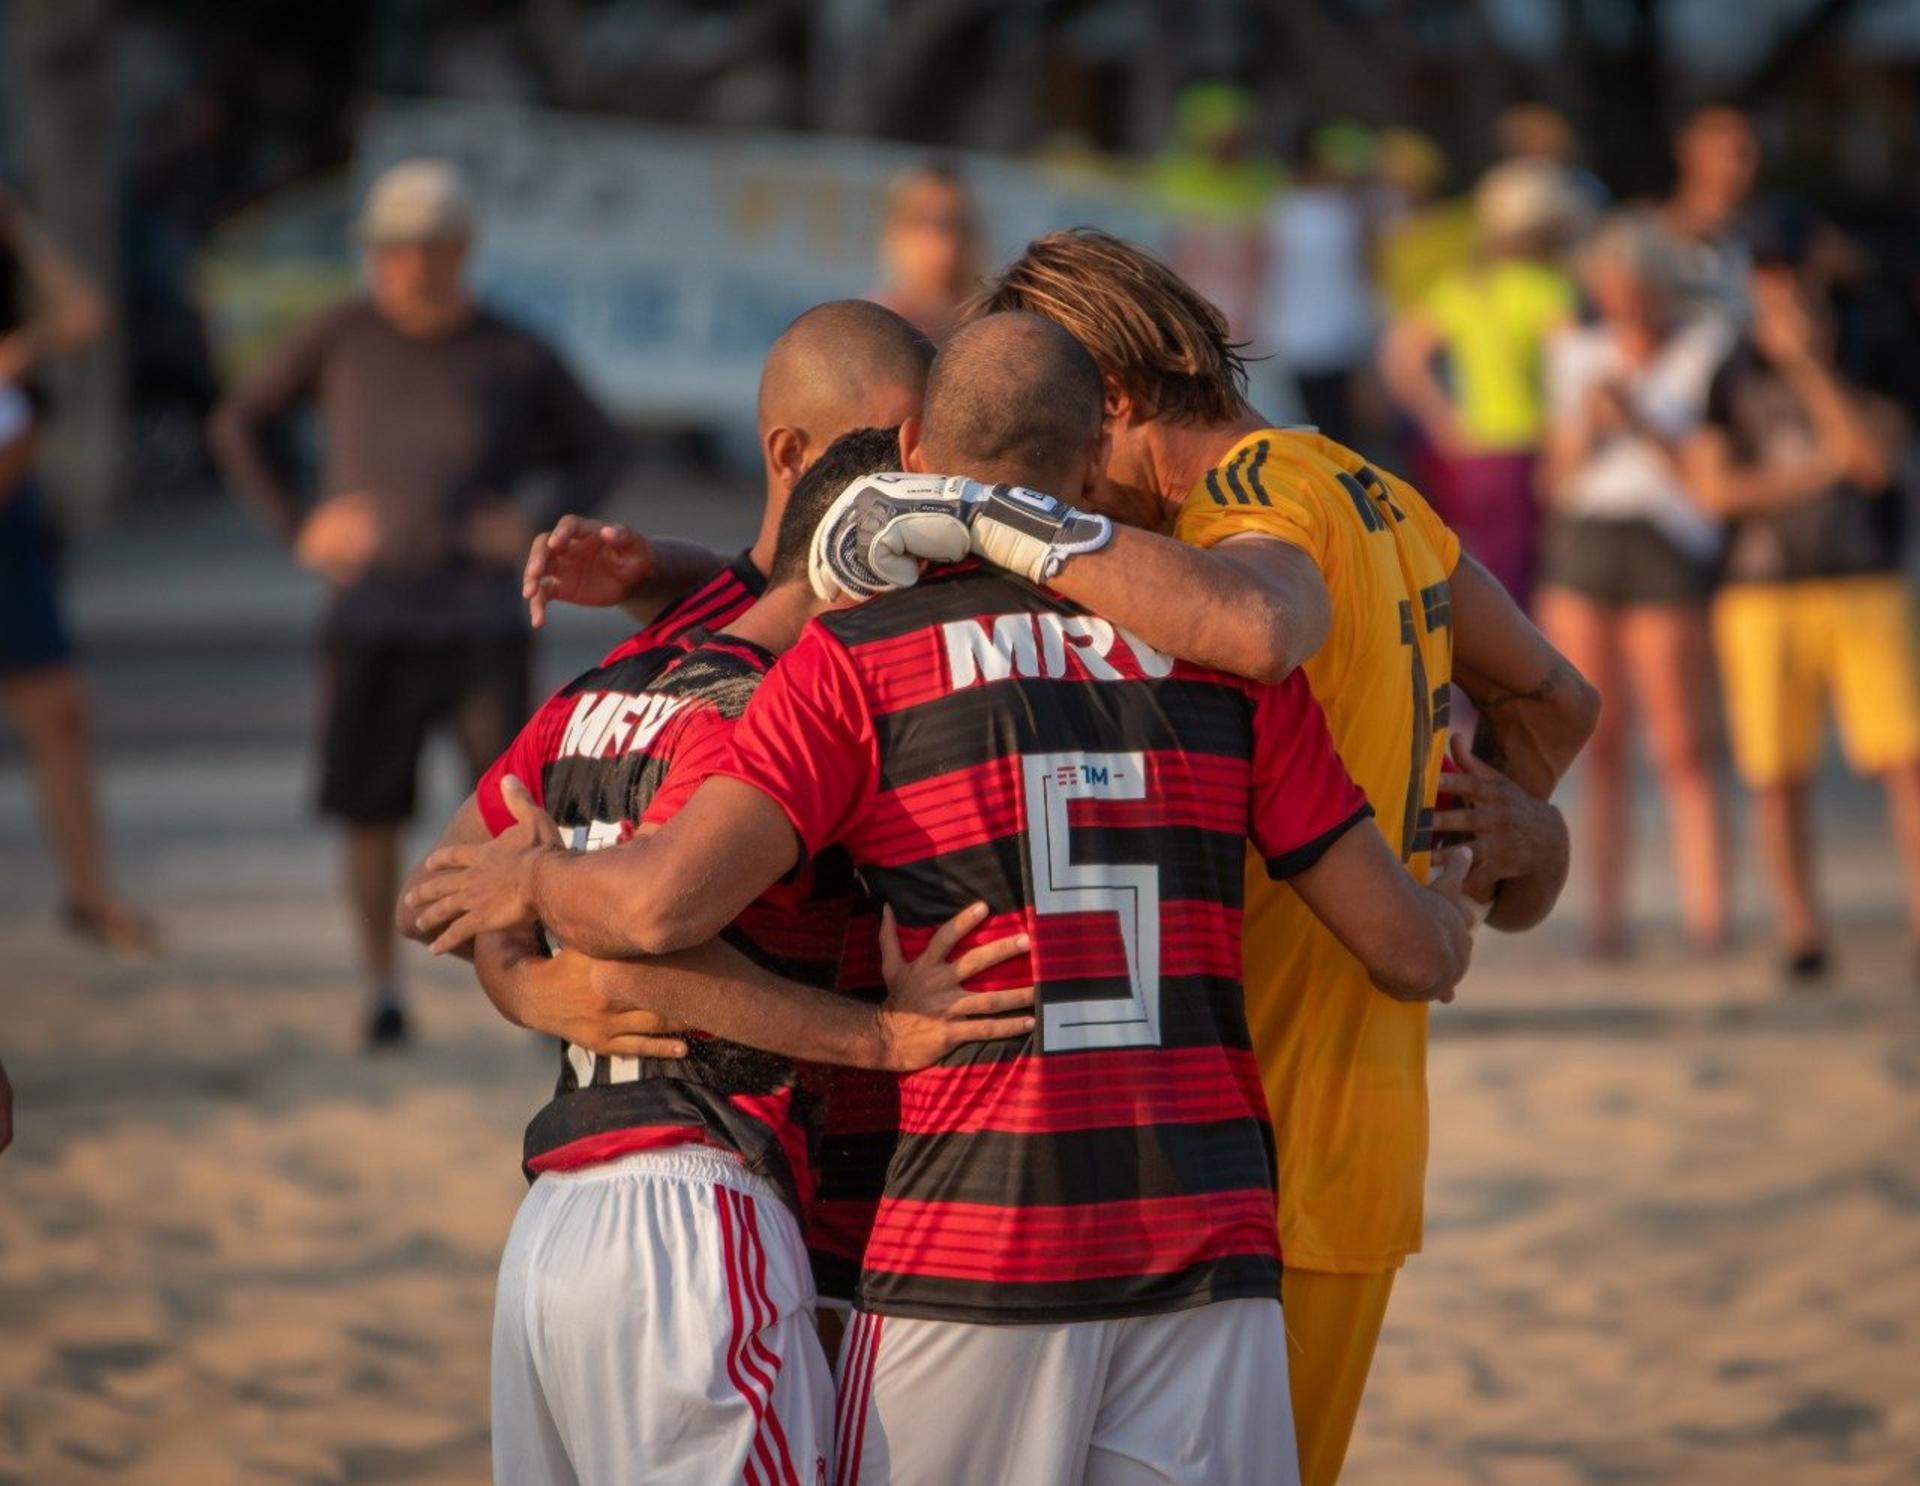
<point>715,604</point>
<point>625,745</point>
<point>859,1127</point>
<point>974,738</point>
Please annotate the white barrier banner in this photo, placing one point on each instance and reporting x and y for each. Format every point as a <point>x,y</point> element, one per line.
<point>663,262</point>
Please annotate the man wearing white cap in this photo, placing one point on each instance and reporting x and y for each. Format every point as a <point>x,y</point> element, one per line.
<point>435,411</point>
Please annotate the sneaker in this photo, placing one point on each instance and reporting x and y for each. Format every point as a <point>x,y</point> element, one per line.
<point>388,1028</point>
<point>114,927</point>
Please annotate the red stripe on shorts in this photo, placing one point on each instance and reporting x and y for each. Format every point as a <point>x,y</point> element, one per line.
<point>763,1299</point>
<point>732,1240</point>
<point>859,1388</point>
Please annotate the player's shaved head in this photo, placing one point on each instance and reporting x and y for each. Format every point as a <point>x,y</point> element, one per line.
<point>1013,397</point>
<point>845,364</point>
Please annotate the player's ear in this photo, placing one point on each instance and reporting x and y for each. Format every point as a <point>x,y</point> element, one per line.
<point>911,459</point>
<point>1117,405</point>
<point>786,450</point>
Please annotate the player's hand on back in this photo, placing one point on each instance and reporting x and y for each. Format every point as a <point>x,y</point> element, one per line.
<point>486,887</point>
<point>1447,876</point>
<point>593,563</point>
<point>1512,833</point>
<point>929,1011</point>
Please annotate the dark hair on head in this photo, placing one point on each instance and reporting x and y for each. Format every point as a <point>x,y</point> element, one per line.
<point>1150,330</point>
<point>865,451</point>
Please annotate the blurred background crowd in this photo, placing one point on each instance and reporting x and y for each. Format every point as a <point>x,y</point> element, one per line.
<point>1629,288</point>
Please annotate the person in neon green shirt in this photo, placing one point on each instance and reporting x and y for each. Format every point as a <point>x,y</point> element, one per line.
<point>1427,236</point>
<point>1215,183</point>
<point>1466,364</point>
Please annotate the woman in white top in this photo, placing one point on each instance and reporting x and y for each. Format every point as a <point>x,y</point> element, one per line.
<point>1317,312</point>
<point>1630,559</point>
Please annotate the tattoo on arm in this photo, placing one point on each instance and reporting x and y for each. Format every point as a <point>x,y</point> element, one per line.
<point>1558,676</point>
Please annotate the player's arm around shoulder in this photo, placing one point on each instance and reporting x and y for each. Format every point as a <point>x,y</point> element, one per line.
<point>1253,606</point>
<point>598,564</point>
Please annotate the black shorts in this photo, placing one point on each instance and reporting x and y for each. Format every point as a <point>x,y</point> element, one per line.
<point>1620,564</point>
<point>33,633</point>
<point>381,698</point>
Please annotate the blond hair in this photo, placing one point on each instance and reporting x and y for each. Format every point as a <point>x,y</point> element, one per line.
<point>1636,240</point>
<point>1163,342</point>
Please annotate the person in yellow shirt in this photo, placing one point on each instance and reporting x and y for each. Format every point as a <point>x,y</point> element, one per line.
<point>1429,235</point>
<point>1467,364</point>
<point>1344,1066</point>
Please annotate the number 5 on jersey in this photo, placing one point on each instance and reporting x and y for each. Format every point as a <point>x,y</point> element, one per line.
<point>1130,891</point>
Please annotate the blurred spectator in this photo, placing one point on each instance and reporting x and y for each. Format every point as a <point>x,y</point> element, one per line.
<point>1317,311</point>
<point>1814,605</point>
<point>173,196</point>
<point>435,410</point>
<point>929,248</point>
<point>48,309</point>
<point>1629,558</point>
<point>1538,131</point>
<point>1426,237</point>
<point>1716,161</point>
<point>1467,364</point>
<point>1216,186</point>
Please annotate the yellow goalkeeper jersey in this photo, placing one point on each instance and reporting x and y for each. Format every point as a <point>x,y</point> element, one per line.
<point>1345,1066</point>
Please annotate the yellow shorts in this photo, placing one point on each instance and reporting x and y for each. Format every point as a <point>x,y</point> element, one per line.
<point>1333,1326</point>
<point>1787,649</point>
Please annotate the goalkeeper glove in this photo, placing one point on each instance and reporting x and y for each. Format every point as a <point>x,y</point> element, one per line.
<point>874,537</point>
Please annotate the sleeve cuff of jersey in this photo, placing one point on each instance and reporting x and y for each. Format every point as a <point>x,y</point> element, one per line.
<point>1292,863</point>
<point>805,851</point>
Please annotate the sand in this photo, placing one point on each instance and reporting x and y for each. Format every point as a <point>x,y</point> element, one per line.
<point>1674,1236</point>
<point>1674,1213</point>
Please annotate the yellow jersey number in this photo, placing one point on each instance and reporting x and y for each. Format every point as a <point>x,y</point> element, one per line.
<point>1370,494</point>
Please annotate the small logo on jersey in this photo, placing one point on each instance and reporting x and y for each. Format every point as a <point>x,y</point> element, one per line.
<point>596,835</point>
<point>1031,646</point>
<point>606,723</point>
<point>1069,776</point>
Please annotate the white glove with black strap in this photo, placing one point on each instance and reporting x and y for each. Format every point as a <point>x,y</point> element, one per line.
<point>875,536</point>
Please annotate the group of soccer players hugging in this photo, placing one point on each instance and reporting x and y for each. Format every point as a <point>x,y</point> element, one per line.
<point>991,921</point>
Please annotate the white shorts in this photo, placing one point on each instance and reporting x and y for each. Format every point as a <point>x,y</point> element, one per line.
<point>654,1322</point>
<point>1195,1396</point>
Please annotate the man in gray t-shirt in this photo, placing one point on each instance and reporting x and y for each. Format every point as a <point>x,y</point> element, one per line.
<point>435,412</point>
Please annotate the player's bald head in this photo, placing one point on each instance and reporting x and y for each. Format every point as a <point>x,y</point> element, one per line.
<point>1013,397</point>
<point>845,364</point>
